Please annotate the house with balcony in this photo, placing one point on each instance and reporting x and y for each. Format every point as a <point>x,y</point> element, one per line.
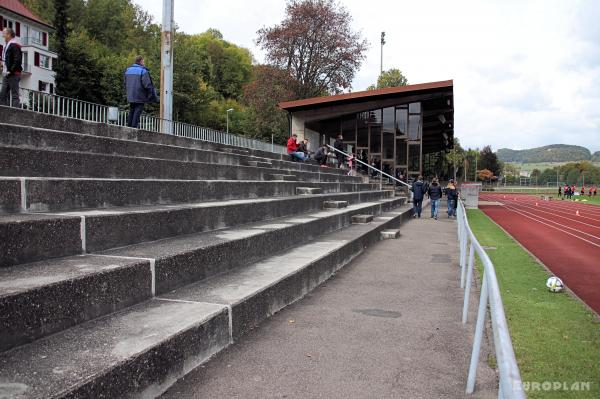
<point>32,32</point>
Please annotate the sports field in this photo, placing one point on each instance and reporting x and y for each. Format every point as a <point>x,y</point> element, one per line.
<point>563,235</point>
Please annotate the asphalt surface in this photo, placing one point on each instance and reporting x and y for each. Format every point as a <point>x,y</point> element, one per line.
<point>386,326</point>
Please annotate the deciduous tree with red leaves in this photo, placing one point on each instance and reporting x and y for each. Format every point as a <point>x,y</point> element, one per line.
<point>316,45</point>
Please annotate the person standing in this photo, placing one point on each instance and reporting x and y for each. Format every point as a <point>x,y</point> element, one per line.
<point>560,192</point>
<point>11,69</point>
<point>418,189</point>
<point>435,194</point>
<point>451,195</point>
<point>339,146</point>
<point>140,90</point>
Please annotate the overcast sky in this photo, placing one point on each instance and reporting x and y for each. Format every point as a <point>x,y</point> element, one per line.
<point>526,73</point>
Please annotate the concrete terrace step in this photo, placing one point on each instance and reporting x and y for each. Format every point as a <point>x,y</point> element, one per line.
<point>142,350</point>
<point>58,233</point>
<point>46,139</point>
<point>18,162</point>
<point>46,297</point>
<point>45,194</point>
<point>38,120</point>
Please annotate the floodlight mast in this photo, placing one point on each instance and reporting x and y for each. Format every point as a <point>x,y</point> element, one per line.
<point>166,65</point>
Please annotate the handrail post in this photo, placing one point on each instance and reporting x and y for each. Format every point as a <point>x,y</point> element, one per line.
<point>469,279</point>
<point>481,313</point>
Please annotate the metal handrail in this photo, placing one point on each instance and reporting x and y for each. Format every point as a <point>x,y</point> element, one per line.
<point>366,164</point>
<point>56,105</point>
<point>510,384</point>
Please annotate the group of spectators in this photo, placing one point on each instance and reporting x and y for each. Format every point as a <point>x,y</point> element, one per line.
<point>570,191</point>
<point>435,192</point>
<point>299,151</point>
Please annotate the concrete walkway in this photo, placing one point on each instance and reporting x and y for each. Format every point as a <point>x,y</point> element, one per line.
<point>386,326</point>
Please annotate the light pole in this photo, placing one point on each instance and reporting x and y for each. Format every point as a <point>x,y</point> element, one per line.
<point>382,43</point>
<point>166,65</point>
<point>228,111</point>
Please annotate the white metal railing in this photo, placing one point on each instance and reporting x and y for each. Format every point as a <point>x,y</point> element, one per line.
<point>56,105</point>
<point>381,173</point>
<point>510,384</point>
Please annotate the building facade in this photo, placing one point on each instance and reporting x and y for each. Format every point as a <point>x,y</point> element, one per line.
<point>403,129</point>
<point>33,35</point>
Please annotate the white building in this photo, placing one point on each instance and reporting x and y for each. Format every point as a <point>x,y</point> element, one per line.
<point>32,32</point>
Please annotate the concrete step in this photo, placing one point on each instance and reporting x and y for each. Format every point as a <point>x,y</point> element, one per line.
<point>59,233</point>
<point>142,350</point>
<point>335,204</point>
<point>33,237</point>
<point>42,298</point>
<point>390,234</point>
<point>44,194</point>
<point>314,190</point>
<point>138,352</point>
<point>359,219</point>
<point>18,162</point>
<point>46,139</point>
<point>281,177</point>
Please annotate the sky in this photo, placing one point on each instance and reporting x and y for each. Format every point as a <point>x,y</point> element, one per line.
<point>526,72</point>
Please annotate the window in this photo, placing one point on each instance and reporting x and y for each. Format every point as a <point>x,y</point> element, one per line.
<point>375,131</point>
<point>414,121</point>
<point>8,23</point>
<point>414,157</point>
<point>36,36</point>
<point>400,152</point>
<point>25,61</point>
<point>362,130</point>
<point>349,128</point>
<point>44,61</point>
<point>401,121</point>
<point>42,85</point>
<point>388,120</point>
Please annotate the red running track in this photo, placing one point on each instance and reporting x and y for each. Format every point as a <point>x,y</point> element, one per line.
<point>564,235</point>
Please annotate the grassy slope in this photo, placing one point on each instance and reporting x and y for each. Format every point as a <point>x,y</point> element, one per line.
<point>555,337</point>
<point>528,167</point>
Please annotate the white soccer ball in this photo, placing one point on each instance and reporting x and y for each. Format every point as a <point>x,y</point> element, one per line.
<point>555,284</point>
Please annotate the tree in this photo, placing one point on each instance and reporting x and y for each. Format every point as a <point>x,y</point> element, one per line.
<point>269,86</point>
<point>63,67</point>
<point>489,160</point>
<point>316,46</point>
<point>390,78</point>
<point>485,174</point>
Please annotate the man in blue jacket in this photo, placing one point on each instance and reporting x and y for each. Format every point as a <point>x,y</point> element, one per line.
<point>140,90</point>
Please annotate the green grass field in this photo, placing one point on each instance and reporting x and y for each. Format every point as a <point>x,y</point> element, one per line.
<point>555,337</point>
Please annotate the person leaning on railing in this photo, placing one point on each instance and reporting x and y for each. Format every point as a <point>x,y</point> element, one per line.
<point>140,90</point>
<point>11,69</point>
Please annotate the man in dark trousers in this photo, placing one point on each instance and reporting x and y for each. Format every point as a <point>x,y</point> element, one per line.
<point>435,194</point>
<point>418,189</point>
<point>140,90</point>
<point>339,145</point>
<point>11,69</point>
<point>321,156</point>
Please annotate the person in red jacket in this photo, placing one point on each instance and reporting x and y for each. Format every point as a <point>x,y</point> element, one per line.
<point>292,148</point>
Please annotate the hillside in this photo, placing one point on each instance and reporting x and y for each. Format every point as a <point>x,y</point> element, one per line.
<point>549,153</point>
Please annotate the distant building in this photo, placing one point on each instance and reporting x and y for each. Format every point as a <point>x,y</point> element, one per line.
<point>32,32</point>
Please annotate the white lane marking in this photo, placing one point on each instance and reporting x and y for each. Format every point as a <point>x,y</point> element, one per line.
<point>554,227</point>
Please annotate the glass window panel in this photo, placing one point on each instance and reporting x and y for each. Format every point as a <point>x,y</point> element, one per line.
<point>375,116</point>
<point>414,127</point>
<point>414,108</point>
<point>362,130</point>
<point>388,120</point>
<point>401,152</point>
<point>388,145</point>
<point>401,121</point>
<point>414,157</point>
<point>375,135</point>
<point>349,128</point>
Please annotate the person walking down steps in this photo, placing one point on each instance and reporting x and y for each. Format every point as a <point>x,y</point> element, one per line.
<point>435,195</point>
<point>418,189</point>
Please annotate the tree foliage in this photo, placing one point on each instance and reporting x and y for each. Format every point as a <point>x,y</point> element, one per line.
<point>390,78</point>
<point>316,45</point>
<point>489,160</point>
<point>549,153</point>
